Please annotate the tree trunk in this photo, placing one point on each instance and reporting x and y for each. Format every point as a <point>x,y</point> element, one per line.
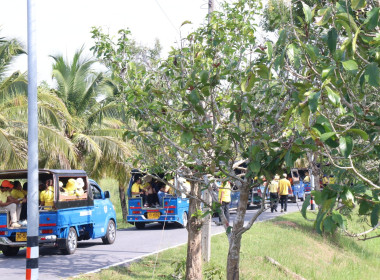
<point>233,258</point>
<point>194,251</point>
<point>123,202</point>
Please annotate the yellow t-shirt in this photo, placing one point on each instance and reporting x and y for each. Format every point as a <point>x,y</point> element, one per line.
<point>47,196</point>
<point>284,185</point>
<point>273,186</point>
<point>17,194</point>
<point>325,180</point>
<point>306,179</point>
<point>136,187</point>
<point>224,194</point>
<point>332,180</point>
<point>4,196</point>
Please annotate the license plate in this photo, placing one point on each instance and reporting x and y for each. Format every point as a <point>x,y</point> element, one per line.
<point>153,215</point>
<point>20,236</point>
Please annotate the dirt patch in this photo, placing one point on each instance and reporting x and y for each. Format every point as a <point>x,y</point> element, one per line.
<point>286,223</point>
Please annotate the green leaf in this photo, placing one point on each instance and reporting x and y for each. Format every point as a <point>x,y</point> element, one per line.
<point>254,166</point>
<point>326,15</point>
<point>357,4</point>
<point>326,136</point>
<point>305,116</point>
<point>332,37</point>
<point>355,40</point>
<point>313,101</point>
<point>350,65</point>
<point>375,215</point>
<point>364,208</point>
<point>360,132</point>
<point>345,145</point>
<point>204,76</point>
<point>333,97</point>
<point>372,18</point>
<point>337,218</point>
<point>186,22</point>
<point>269,50</point>
<point>186,137</point>
<point>194,98</point>
<point>327,72</point>
<point>372,74</point>
<point>305,205</point>
<point>328,224</point>
<point>307,12</point>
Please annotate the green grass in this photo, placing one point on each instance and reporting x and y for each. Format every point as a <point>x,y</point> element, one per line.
<point>112,186</point>
<point>289,239</point>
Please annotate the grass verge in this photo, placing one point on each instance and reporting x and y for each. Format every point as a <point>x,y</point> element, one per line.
<point>288,239</point>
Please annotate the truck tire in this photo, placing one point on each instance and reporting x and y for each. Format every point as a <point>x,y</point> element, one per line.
<point>10,251</point>
<point>140,225</point>
<point>71,242</point>
<point>184,220</point>
<point>110,236</point>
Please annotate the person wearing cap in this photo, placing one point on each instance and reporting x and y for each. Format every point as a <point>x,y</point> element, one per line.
<point>325,180</point>
<point>273,193</point>
<point>7,202</point>
<point>284,187</point>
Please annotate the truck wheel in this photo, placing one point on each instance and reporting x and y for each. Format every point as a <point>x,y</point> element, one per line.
<point>110,236</point>
<point>10,251</point>
<point>184,220</point>
<point>71,242</point>
<point>140,225</point>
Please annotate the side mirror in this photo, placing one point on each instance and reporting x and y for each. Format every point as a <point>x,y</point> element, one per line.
<point>106,194</point>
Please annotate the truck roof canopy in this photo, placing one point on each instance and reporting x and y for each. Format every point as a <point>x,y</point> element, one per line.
<point>23,173</point>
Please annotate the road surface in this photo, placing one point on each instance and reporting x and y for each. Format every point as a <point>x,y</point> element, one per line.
<point>92,255</point>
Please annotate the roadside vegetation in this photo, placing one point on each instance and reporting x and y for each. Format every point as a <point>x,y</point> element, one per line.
<point>290,240</point>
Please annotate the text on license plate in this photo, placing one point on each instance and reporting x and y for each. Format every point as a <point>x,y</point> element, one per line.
<point>154,215</point>
<point>20,236</point>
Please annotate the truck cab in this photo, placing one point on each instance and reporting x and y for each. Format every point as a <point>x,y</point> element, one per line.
<point>173,207</point>
<point>80,211</point>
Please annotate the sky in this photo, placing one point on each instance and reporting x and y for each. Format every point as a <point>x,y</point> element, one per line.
<point>62,27</point>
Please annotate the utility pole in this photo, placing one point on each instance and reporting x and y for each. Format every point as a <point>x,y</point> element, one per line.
<point>206,228</point>
<point>32,250</point>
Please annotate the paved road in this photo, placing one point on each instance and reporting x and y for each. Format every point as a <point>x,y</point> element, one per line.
<point>92,255</point>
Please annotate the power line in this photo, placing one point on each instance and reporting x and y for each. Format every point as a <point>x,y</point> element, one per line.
<point>167,17</point>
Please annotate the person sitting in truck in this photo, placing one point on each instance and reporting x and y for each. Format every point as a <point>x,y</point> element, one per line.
<point>150,192</point>
<point>307,178</point>
<point>7,202</point>
<point>18,193</point>
<point>164,191</point>
<point>47,197</point>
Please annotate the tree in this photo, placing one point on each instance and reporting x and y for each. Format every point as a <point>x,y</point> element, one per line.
<point>331,58</point>
<point>210,104</point>
<point>97,136</point>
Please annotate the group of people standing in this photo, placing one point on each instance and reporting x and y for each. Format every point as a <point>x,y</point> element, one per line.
<point>279,189</point>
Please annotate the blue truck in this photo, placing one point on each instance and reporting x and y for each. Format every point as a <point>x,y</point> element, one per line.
<point>174,208</point>
<point>78,214</point>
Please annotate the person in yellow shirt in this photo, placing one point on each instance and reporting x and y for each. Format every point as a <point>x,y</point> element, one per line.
<point>284,188</point>
<point>273,193</point>
<point>47,197</point>
<point>17,193</point>
<point>325,180</point>
<point>224,198</point>
<point>7,202</point>
<point>332,180</point>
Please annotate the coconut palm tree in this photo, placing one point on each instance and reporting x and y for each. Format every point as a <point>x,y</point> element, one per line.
<point>55,149</point>
<point>98,138</point>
